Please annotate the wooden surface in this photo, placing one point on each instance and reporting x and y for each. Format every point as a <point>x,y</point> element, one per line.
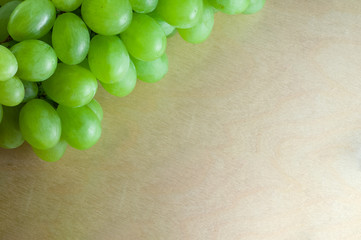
<point>255,134</point>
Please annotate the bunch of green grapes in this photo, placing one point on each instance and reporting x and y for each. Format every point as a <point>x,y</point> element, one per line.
<point>53,55</point>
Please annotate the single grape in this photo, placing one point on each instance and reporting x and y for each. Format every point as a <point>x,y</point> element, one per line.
<point>125,85</point>
<point>31,19</point>
<point>143,6</point>
<point>8,64</point>
<point>40,124</point>
<point>67,5</point>
<point>151,71</point>
<point>254,6</point>
<point>107,17</point>
<point>10,134</point>
<point>168,29</point>
<point>5,12</point>
<point>37,60</point>
<point>52,154</point>
<point>71,85</point>
<point>144,39</point>
<point>81,126</point>
<point>180,13</point>
<point>230,6</point>
<point>31,90</point>
<point>70,38</point>
<point>201,31</point>
<point>95,106</point>
<point>108,58</point>
<point>11,92</point>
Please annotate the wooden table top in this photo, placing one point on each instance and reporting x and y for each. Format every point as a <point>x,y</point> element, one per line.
<point>255,134</point>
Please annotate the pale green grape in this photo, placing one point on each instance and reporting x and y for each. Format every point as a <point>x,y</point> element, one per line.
<point>80,126</point>
<point>108,58</point>
<point>151,71</point>
<point>95,106</point>
<point>70,38</point>
<point>8,64</point>
<point>144,39</point>
<point>201,31</point>
<point>31,19</point>
<point>67,5</point>
<point>180,13</point>
<point>230,6</point>
<point>37,60</point>
<point>52,154</point>
<point>168,29</point>
<point>125,85</point>
<point>31,90</point>
<point>143,6</point>
<point>107,17</point>
<point>10,134</point>
<point>11,92</point>
<point>5,12</point>
<point>254,6</point>
<point>71,85</point>
<point>40,124</point>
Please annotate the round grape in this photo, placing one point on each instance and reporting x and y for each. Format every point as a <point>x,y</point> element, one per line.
<point>8,64</point>
<point>11,92</point>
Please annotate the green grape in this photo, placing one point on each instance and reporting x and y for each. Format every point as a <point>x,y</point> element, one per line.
<point>40,124</point>
<point>107,17</point>
<point>11,92</point>
<point>47,38</point>
<point>81,126</point>
<point>254,6</point>
<point>169,30</point>
<point>151,71</point>
<point>143,6</point>
<point>125,85</point>
<point>95,106</point>
<point>70,38</point>
<point>71,85</point>
<point>180,13</point>
<point>230,6</point>
<point>144,39</point>
<point>8,64</point>
<point>52,154</point>
<point>37,60</point>
<point>31,90</point>
<point>1,113</point>
<point>5,12</point>
<point>67,5</point>
<point>108,58</point>
<point>201,31</point>
<point>10,134</point>
<point>31,19</point>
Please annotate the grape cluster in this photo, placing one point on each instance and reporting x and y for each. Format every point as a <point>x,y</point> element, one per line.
<point>54,53</point>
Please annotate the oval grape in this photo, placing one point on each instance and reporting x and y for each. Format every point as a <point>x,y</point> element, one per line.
<point>180,13</point>
<point>52,154</point>
<point>40,124</point>
<point>8,64</point>
<point>107,17</point>
<point>95,106</point>
<point>70,38</point>
<point>71,85</point>
<point>10,134</point>
<point>81,126</point>
<point>37,60</point>
<point>143,6</point>
<point>108,58</point>
<point>67,5</point>
<point>145,39</point>
<point>5,12</point>
<point>31,19</point>
<point>11,92</point>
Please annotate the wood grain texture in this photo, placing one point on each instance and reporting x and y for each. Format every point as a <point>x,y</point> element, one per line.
<point>255,134</point>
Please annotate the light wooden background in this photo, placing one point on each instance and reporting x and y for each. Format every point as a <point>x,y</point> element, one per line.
<point>255,134</point>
